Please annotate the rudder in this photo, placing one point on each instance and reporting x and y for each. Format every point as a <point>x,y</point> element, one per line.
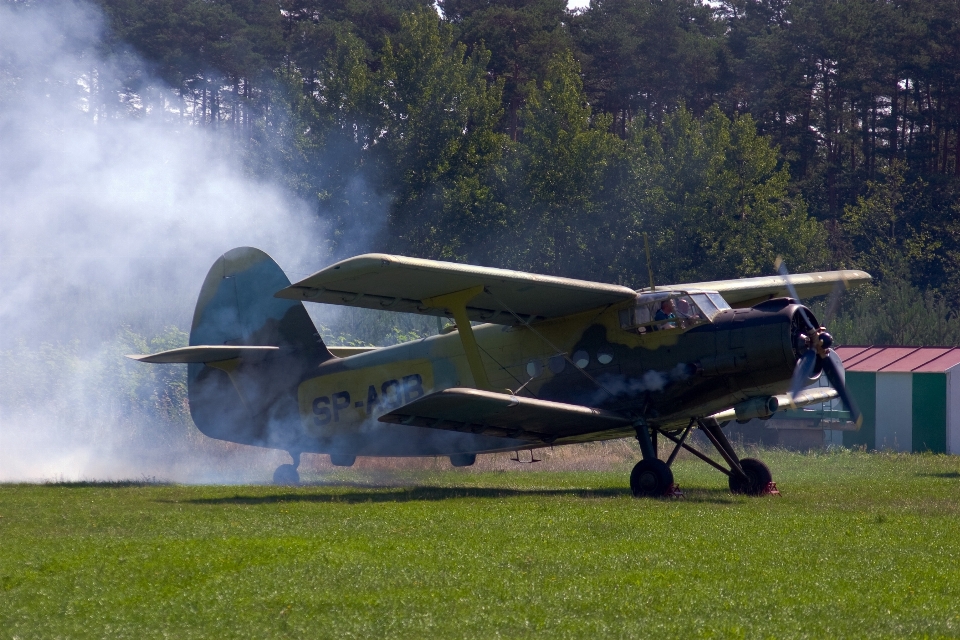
<point>251,401</point>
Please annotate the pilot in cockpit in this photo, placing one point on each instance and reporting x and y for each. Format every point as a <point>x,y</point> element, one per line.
<point>666,312</point>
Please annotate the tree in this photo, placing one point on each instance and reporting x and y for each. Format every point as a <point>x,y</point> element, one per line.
<point>565,157</point>
<point>438,137</point>
<point>522,36</point>
<point>715,202</point>
<point>645,58</point>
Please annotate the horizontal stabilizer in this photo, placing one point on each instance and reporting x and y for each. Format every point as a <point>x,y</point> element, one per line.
<point>399,283</point>
<point>506,416</point>
<point>203,354</point>
<point>747,292</point>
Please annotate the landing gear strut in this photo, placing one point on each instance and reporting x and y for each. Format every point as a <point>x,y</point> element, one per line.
<point>287,473</point>
<point>747,476</point>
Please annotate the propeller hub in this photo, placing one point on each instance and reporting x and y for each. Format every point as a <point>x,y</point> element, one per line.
<point>826,340</point>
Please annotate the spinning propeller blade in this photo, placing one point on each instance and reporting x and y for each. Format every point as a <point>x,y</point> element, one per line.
<point>803,371</point>
<point>818,351</point>
<point>781,267</point>
<point>833,369</point>
<point>833,302</point>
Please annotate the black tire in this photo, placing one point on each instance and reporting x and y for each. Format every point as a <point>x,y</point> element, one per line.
<point>650,479</point>
<point>286,474</point>
<point>759,475</point>
<point>342,460</point>
<point>463,459</point>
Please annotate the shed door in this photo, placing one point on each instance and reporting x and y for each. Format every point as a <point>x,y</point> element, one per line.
<point>895,411</point>
<point>953,411</point>
<point>930,412</point>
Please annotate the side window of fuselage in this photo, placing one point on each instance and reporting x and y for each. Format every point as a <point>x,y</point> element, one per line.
<point>669,313</point>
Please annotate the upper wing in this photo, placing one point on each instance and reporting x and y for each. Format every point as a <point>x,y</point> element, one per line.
<point>747,292</point>
<point>398,283</point>
<point>496,414</point>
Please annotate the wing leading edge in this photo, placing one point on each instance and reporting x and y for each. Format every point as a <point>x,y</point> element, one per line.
<point>746,292</point>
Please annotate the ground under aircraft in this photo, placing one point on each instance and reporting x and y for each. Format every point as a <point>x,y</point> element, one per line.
<point>554,361</point>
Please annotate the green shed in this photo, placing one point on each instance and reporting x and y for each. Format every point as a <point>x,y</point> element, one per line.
<point>909,397</point>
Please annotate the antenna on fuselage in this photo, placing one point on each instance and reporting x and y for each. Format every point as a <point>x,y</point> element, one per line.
<point>646,247</point>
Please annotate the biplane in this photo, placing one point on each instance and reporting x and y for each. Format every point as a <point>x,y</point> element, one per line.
<point>529,361</point>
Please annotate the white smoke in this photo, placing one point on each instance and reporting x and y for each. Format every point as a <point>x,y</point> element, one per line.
<point>651,381</point>
<point>110,216</point>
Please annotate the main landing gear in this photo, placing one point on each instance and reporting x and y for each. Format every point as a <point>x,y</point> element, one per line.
<point>287,473</point>
<point>652,477</point>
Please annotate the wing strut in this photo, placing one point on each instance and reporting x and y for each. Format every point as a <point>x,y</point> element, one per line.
<point>456,303</point>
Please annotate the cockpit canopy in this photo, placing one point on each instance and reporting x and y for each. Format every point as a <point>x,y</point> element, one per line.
<point>666,310</point>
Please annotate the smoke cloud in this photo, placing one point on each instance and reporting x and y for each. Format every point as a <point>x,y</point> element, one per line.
<point>651,381</point>
<point>110,217</point>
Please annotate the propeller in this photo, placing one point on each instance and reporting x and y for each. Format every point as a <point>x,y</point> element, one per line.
<point>815,347</point>
<point>781,267</point>
<point>833,301</point>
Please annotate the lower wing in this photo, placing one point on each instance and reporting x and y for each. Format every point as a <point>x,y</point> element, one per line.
<point>506,416</point>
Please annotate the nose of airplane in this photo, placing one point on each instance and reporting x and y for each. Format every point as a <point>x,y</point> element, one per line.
<point>813,348</point>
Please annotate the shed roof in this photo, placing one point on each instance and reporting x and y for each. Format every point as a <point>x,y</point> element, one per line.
<point>899,359</point>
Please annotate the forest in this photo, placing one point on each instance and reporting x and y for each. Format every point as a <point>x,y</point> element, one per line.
<point>524,135</point>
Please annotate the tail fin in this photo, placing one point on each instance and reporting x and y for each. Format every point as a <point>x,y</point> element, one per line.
<point>236,307</point>
<point>251,400</point>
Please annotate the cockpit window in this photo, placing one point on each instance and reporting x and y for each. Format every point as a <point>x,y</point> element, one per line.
<point>718,300</point>
<point>710,303</point>
<point>666,311</point>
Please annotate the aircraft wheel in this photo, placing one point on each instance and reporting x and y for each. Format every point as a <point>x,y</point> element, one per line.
<point>759,475</point>
<point>463,459</point>
<point>286,474</point>
<point>650,478</point>
<point>341,460</point>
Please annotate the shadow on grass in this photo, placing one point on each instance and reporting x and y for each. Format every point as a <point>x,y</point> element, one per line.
<point>107,484</point>
<point>949,475</point>
<point>367,494</point>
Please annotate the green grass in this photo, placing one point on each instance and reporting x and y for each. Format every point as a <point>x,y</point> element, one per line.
<point>858,545</point>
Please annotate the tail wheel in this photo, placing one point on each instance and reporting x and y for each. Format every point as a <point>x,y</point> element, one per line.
<point>463,459</point>
<point>286,474</point>
<point>759,478</point>
<point>342,460</point>
<point>651,478</point>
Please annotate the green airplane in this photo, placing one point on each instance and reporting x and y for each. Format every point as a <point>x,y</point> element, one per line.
<point>555,361</point>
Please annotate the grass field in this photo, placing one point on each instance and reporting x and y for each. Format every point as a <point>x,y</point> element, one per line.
<point>858,545</point>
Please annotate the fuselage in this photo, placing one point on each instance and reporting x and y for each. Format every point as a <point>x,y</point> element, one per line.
<point>668,374</point>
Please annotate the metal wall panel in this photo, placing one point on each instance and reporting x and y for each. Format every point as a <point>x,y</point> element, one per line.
<point>894,411</point>
<point>930,412</point>
<point>953,411</point>
<point>863,387</point>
